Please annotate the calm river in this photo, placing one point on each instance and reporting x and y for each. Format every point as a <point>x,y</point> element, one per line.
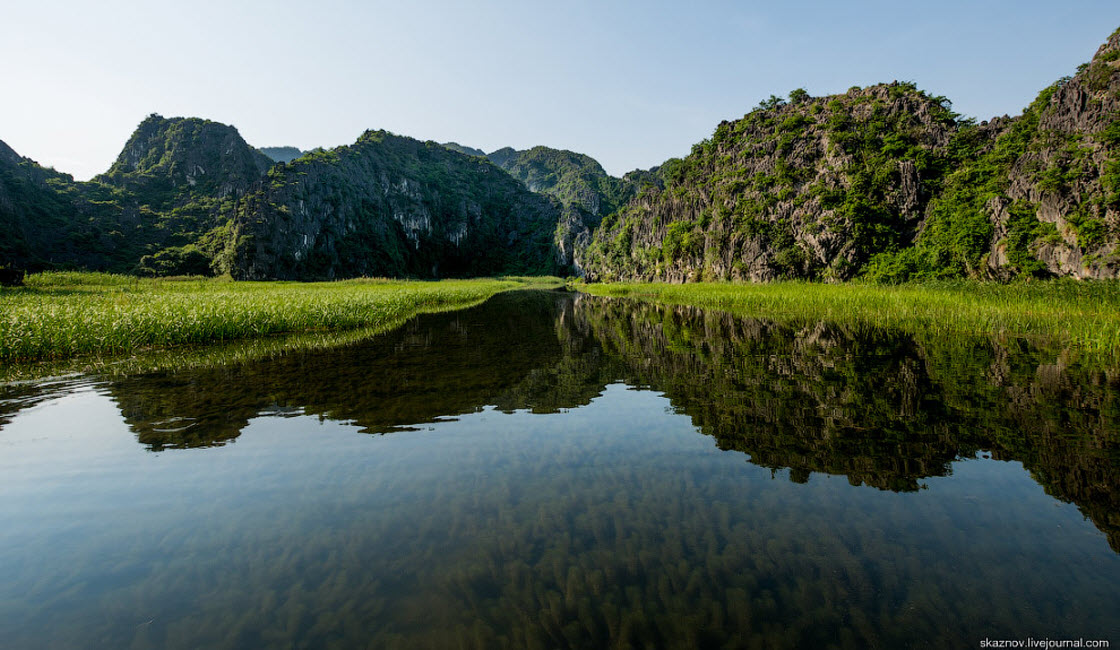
<point>552,470</point>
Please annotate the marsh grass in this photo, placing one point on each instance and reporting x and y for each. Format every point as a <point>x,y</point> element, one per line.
<point>1080,316</point>
<point>66,315</point>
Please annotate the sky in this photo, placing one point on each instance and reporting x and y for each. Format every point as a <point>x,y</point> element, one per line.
<point>628,83</point>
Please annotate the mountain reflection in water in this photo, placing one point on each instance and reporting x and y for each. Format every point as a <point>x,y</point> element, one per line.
<point>878,408</point>
<point>602,524</point>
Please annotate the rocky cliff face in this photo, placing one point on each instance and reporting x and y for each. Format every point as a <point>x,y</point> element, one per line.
<point>389,205</point>
<point>888,183</point>
<point>806,189</point>
<point>586,191</point>
<point>167,161</point>
<point>884,182</point>
<point>1070,175</point>
<point>172,181</point>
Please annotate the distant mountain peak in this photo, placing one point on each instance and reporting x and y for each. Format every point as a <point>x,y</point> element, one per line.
<point>282,154</point>
<point>470,151</point>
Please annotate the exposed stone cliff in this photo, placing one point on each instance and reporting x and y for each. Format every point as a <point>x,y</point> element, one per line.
<point>586,191</point>
<point>390,205</point>
<point>1070,174</point>
<point>884,182</point>
<point>807,189</point>
<point>169,160</point>
<point>171,181</point>
<point>889,183</point>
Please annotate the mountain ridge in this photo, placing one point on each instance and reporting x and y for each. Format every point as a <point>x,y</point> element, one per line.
<point>884,182</point>
<point>887,183</point>
<point>389,205</point>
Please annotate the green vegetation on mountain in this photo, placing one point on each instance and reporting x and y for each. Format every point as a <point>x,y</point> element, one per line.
<point>179,174</point>
<point>586,191</point>
<point>389,206</point>
<point>809,188</point>
<point>574,178</point>
<point>1035,195</point>
<point>37,212</point>
<point>169,162</point>
<point>152,213</point>
<point>886,182</point>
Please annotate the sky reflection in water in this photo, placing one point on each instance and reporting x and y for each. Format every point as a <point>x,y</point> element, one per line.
<point>764,485</point>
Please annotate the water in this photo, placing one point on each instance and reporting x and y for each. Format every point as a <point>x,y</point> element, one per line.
<point>552,471</point>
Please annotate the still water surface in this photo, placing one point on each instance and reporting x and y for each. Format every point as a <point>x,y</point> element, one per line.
<point>548,470</point>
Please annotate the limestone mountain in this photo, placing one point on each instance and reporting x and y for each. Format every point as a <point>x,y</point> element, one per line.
<point>569,176</point>
<point>49,221</point>
<point>809,188</point>
<point>1068,174</point>
<point>886,182</point>
<point>389,205</point>
<point>178,174</point>
<point>586,191</point>
<point>152,212</point>
<point>172,161</point>
<point>281,154</point>
<point>1038,194</point>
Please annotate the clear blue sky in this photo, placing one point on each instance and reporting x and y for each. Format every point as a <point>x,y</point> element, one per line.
<point>630,83</point>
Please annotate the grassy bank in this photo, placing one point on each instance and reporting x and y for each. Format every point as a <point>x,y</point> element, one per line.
<point>1080,315</point>
<point>63,315</point>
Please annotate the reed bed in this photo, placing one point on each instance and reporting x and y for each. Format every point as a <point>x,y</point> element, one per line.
<point>1076,314</point>
<point>64,315</point>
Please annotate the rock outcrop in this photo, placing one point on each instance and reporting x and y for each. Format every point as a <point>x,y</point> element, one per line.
<point>170,161</point>
<point>887,182</point>
<point>578,181</point>
<point>1070,174</point>
<point>811,188</point>
<point>389,206</point>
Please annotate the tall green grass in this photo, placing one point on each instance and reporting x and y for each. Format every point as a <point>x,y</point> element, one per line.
<point>1084,316</point>
<point>63,315</point>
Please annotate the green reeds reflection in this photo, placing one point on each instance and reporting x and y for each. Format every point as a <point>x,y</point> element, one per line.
<point>63,315</point>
